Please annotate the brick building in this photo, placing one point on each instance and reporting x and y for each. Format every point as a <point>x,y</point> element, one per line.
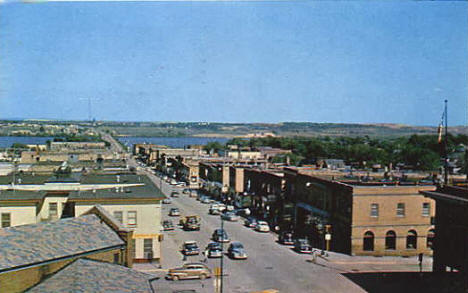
<point>363,218</point>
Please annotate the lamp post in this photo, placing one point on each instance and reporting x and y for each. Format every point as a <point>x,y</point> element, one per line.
<point>222,257</point>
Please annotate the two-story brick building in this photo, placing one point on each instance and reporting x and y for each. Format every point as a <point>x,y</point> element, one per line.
<point>362,218</point>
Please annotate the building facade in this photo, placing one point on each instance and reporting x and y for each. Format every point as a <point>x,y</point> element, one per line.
<point>372,219</point>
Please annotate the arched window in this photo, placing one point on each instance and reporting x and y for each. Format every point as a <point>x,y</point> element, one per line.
<point>390,240</point>
<point>430,238</point>
<point>368,244</point>
<point>412,240</point>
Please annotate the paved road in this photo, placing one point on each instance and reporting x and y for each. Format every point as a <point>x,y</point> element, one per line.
<point>269,266</point>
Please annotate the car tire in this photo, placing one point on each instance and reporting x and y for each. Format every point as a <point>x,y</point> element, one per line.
<point>175,278</point>
<point>202,277</point>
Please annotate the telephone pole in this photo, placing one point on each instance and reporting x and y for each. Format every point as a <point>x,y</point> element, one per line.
<point>446,147</point>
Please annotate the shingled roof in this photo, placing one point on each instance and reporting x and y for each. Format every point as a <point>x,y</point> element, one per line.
<point>85,275</point>
<point>30,245</point>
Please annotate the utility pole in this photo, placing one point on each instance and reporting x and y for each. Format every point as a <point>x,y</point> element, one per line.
<point>446,147</point>
<point>222,257</point>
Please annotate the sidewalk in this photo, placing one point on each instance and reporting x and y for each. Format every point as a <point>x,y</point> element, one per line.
<point>347,263</point>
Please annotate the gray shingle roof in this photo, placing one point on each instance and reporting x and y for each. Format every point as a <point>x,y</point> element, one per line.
<point>85,275</point>
<point>147,191</point>
<point>27,245</point>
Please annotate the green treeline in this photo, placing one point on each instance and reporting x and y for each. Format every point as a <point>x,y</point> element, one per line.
<point>421,152</point>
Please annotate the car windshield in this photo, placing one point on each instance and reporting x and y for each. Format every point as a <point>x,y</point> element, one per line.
<point>237,245</point>
<point>191,245</point>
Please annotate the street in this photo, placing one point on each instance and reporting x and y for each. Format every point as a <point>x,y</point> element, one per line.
<point>269,265</point>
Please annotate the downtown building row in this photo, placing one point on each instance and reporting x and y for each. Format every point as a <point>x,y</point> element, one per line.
<point>361,218</point>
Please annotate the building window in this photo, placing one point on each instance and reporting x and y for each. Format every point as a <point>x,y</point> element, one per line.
<point>412,240</point>
<point>430,239</point>
<point>132,218</point>
<point>148,248</point>
<point>426,209</point>
<point>53,212</point>
<point>390,240</point>
<point>116,258</point>
<point>6,220</point>
<point>118,215</point>
<point>374,210</point>
<point>400,210</point>
<point>368,244</point>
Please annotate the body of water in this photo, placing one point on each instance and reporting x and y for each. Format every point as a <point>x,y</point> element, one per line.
<point>7,141</point>
<point>174,142</point>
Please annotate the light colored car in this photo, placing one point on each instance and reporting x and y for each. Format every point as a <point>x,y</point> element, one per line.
<point>174,212</point>
<point>262,226</point>
<point>214,211</point>
<point>190,271</point>
<point>230,208</point>
<point>167,200</point>
<point>205,200</point>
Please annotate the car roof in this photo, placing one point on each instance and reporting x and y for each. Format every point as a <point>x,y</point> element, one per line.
<point>190,242</point>
<point>196,264</point>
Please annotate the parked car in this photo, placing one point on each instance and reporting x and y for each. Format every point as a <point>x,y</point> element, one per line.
<point>286,238</point>
<point>193,193</point>
<point>190,271</point>
<point>262,226</point>
<point>214,250</point>
<point>186,191</point>
<point>220,235</point>
<point>214,211</point>
<point>190,248</point>
<point>173,182</point>
<point>230,208</point>
<point>302,246</point>
<point>167,200</point>
<point>250,222</point>
<point>236,251</point>
<point>229,216</point>
<point>174,194</point>
<point>168,225</point>
<point>174,212</point>
<point>205,200</point>
<point>221,207</point>
<point>181,184</point>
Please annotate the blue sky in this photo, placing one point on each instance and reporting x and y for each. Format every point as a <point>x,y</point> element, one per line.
<point>356,62</point>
